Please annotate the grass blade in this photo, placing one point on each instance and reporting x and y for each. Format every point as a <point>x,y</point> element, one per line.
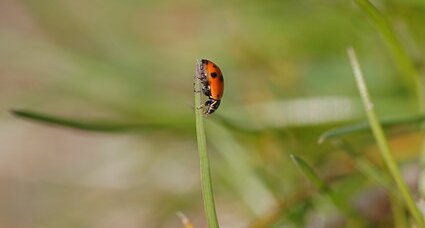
<point>320,184</point>
<point>353,219</point>
<point>309,173</point>
<point>382,141</point>
<point>206,182</point>
<point>413,122</point>
<point>84,125</point>
<point>410,74</point>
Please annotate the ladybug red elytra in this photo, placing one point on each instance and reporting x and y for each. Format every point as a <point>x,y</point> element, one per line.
<point>212,82</point>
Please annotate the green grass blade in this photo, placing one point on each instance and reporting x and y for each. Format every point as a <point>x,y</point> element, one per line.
<point>84,125</point>
<point>410,71</point>
<point>412,122</point>
<point>111,126</point>
<point>206,182</point>
<point>353,220</point>
<point>320,184</point>
<point>410,74</point>
<point>382,141</point>
<point>309,173</point>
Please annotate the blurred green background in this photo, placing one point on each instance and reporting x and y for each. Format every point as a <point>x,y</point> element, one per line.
<point>287,80</point>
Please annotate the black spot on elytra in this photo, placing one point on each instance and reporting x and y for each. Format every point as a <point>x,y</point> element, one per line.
<point>213,74</point>
<point>221,78</point>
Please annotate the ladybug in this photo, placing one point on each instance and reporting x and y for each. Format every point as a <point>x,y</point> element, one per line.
<point>212,82</point>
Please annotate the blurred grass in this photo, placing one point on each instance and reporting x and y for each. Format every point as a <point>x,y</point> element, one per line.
<point>311,175</point>
<point>409,73</point>
<point>325,190</point>
<point>382,142</point>
<point>408,123</point>
<point>105,126</point>
<point>109,66</point>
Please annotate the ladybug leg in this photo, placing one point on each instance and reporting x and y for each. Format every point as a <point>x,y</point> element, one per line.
<point>208,102</point>
<point>208,106</point>
<point>213,105</point>
<point>202,105</point>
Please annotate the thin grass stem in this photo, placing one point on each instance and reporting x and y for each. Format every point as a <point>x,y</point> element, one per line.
<point>406,65</point>
<point>382,141</point>
<point>206,182</point>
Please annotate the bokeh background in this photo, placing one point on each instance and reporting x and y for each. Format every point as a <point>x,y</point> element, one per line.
<point>288,80</point>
